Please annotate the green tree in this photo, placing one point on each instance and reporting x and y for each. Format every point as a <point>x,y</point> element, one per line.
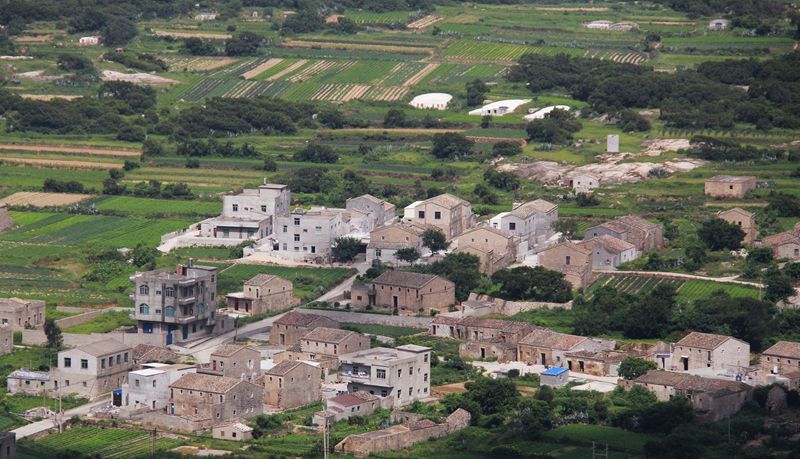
<point>650,315</point>
<point>407,254</point>
<point>434,239</point>
<point>566,227</point>
<point>345,249</point>
<point>462,269</point>
<point>494,396</point>
<point>144,256</point>
<point>451,145</point>
<point>476,92</point>
<point>395,118</point>
<point>269,165</point>
<point>779,285</point>
<point>717,234</point>
<point>532,284</point>
<point>633,367</point>
<point>53,333</point>
<point>506,149</point>
<point>532,417</point>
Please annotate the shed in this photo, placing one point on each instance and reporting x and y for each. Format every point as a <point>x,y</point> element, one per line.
<point>234,431</point>
<point>555,376</point>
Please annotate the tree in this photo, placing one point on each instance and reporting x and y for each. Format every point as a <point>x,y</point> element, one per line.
<point>650,314</point>
<point>144,256</point>
<point>462,269</point>
<point>633,367</point>
<point>434,239</point>
<point>507,181</point>
<point>269,165</point>
<point>451,145</point>
<point>118,31</point>
<point>407,254</point>
<point>332,118</point>
<point>476,92</point>
<point>783,205</point>
<point>506,149</point>
<point>394,118</point>
<point>532,417</point>
<point>345,249</point>
<point>494,396</point>
<point>316,153</point>
<point>717,234</point>
<point>243,44</point>
<point>556,127</point>
<point>566,227</point>
<point>532,284</point>
<point>53,333</point>
<point>779,285</point>
<point>748,319</point>
<point>199,47</point>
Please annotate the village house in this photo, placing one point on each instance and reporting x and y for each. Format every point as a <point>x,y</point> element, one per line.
<point>214,399</point>
<point>581,182</point>
<point>744,220</point>
<point>532,222</point>
<point>148,388</point>
<point>712,399</point>
<point>718,24</point>
<point>609,252</point>
<point>93,369</point>
<point>781,364</point>
<point>701,351</point>
<point>147,353</point>
<point>449,213</point>
<point>89,41</point>
<point>324,341</point>
<point>350,404</point>
<point>263,293</point>
<point>643,234</point>
<point>309,235</point>
<point>6,221</point>
<point>596,363</point>
<point>572,260</point>
<point>22,314</point>
<point>385,241</point>
<point>786,245</point>
<point>292,384</point>
<point>175,305</point>
<point>402,372</point>
<point>380,211</point>
<point>730,186</point>
<point>6,338</point>
<point>495,249</point>
<point>546,347</point>
<point>233,361</point>
<point>206,16</point>
<point>249,214</point>
<point>232,431</point>
<point>288,329</point>
<point>28,382</point>
<point>485,338</point>
<point>405,293</point>
<point>8,445</point>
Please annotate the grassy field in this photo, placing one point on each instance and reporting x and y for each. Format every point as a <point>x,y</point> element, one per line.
<point>617,439</point>
<point>309,283</point>
<point>95,441</point>
<point>103,323</point>
<point>688,290</point>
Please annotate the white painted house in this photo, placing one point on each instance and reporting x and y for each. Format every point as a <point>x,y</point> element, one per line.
<point>532,222</point>
<point>581,182</point>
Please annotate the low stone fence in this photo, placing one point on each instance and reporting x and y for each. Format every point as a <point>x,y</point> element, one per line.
<point>37,337</point>
<point>71,321</point>
<point>176,423</point>
<point>376,319</point>
<point>509,308</point>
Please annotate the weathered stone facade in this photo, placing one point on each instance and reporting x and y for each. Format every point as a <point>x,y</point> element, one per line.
<point>744,220</point>
<point>5,218</point>
<point>292,384</point>
<point>549,348</point>
<point>234,361</point>
<point>22,314</point>
<point>385,241</point>
<point>723,354</point>
<point>495,250</point>
<point>214,398</point>
<point>6,338</point>
<point>449,213</point>
<point>289,328</point>
<point>93,369</point>
<point>573,260</point>
<point>643,234</point>
<point>406,293</point>
<point>730,186</point>
<point>263,293</point>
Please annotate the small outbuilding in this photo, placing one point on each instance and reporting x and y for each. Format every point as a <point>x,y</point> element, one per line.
<point>499,108</point>
<point>89,41</point>
<point>433,100</point>
<point>234,431</point>
<point>555,377</point>
<point>718,24</point>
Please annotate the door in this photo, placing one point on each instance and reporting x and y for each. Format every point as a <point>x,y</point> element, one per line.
<point>170,329</point>
<point>483,353</point>
<point>185,332</point>
<point>394,301</point>
<point>685,361</point>
<point>544,358</point>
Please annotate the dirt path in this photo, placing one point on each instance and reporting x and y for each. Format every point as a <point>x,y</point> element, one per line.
<point>396,131</point>
<point>63,164</point>
<point>71,149</point>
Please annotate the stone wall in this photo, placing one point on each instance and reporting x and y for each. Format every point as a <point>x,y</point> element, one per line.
<point>509,308</point>
<point>176,423</point>
<point>5,219</point>
<point>37,337</point>
<point>367,318</point>
<point>71,321</point>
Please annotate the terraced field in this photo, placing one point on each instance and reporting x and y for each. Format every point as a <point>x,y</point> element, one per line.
<point>96,442</point>
<point>688,290</point>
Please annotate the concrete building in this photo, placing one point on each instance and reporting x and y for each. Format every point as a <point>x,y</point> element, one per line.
<point>609,252</point>
<point>495,249</point>
<point>786,245</point>
<point>781,364</point>
<point>712,399</point>
<point>89,41</point>
<point>263,293</point>
<point>532,222</point>
<point>8,445</point>
<point>572,260</point>
<point>292,384</point>
<point>405,292</point>
<point>720,353</point>
<point>232,431</point>
<point>643,234</point>
<point>554,377</point>
<point>324,342</point>
<point>744,220</point>
<point>546,347</point>
<point>402,372</point>
<point>93,369</point>
<point>214,399</point>
<point>249,214</point>
<point>6,338</point>
<point>28,382</point>
<point>207,16</point>
<point>309,235</point>
<point>6,221</point>
<point>233,361</point>
<point>148,389</point>
<point>434,101</point>
<point>288,329</point>
<point>386,240</point>
<point>730,186</point>
<point>380,212</point>
<point>612,143</point>
<point>581,182</point>
<point>22,314</point>
<point>449,213</point>
<point>175,305</point>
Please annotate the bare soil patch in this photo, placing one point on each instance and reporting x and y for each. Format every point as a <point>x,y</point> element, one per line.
<point>136,78</point>
<point>37,199</point>
<point>417,77</point>
<point>62,164</point>
<point>455,388</point>
<point>657,146</point>
<point>580,10</point>
<point>261,68</point>
<point>288,70</point>
<point>33,38</point>
<point>213,36</point>
<point>49,96</point>
<point>72,149</point>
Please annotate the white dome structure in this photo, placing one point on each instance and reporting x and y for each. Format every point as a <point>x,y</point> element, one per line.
<point>499,108</point>
<point>433,100</point>
<point>541,113</point>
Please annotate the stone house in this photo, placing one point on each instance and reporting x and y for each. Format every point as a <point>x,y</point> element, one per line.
<point>89,41</point>
<point>609,252</point>
<point>232,431</point>
<point>148,388</point>
<point>288,329</point>
<point>449,213</point>
<point>6,338</point>
<point>350,404</point>
<point>744,219</point>
<point>324,341</point>
<point>532,222</point>
<point>386,240</point>
<point>495,249</point>
<point>209,16</point>
<point>263,293</point>
<point>29,382</point>
<point>22,314</point>
<point>447,327</point>
<point>781,363</point>
<point>596,363</point>
<point>406,292</point>
<point>233,361</point>
<point>643,234</point>
<point>292,384</point>
<point>485,338</point>
<point>712,399</point>
<point>6,221</point>
<point>204,397</point>
<point>730,186</point>
<point>93,369</point>
<point>546,347</point>
<point>249,214</point>
<point>698,351</point>
<point>581,182</point>
<point>402,372</point>
<point>572,260</point>
<point>175,305</point>
<point>381,212</point>
<point>718,24</point>
<point>786,245</point>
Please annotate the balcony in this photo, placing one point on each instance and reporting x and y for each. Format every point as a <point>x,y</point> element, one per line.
<point>187,300</point>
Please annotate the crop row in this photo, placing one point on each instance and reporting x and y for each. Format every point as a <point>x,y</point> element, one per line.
<point>315,69</point>
<point>202,89</point>
<point>621,58</point>
<point>401,72</point>
<point>481,50</point>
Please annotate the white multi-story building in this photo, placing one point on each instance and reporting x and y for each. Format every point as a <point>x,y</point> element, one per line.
<point>148,388</point>
<point>249,214</point>
<point>532,222</point>
<point>308,235</point>
<point>402,372</point>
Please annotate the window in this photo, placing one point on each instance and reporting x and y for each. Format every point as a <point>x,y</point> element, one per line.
<point>111,361</point>
<point>421,214</point>
<point>119,359</point>
<point>425,377</point>
<point>169,311</point>
<point>84,364</point>
<point>377,252</point>
<point>567,260</point>
<point>144,290</point>
<point>67,362</point>
<point>169,291</point>
<point>437,215</point>
<point>103,362</point>
<point>136,382</point>
<point>263,208</point>
<point>399,372</point>
<point>235,207</point>
<point>512,226</point>
<point>425,358</point>
<point>296,238</point>
<point>296,222</point>
<point>317,230</point>
<point>126,357</point>
<point>410,370</point>
<point>410,391</point>
<point>144,309</point>
<point>380,374</point>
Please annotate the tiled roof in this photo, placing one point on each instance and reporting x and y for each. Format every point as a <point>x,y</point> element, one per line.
<point>368,197</point>
<point>572,246</point>
<point>261,279</point>
<point>33,375</point>
<point>637,222</point>
<point>354,398</point>
<point>227,350</point>
<point>297,318</point>
<point>703,340</point>
<point>145,353</point>
<point>693,383</point>
<point>616,227</point>
<point>284,367</point>
<point>496,231</point>
<point>736,210</point>
<point>328,335</point>
<point>609,243</point>
<point>533,207</point>
<point>406,279</point>
<point>103,347</point>
<point>730,178</point>
<point>447,200</point>
<point>446,320</point>
<point>782,238</point>
<point>205,383</point>
<point>508,326</point>
<point>553,340</point>
<point>784,349</point>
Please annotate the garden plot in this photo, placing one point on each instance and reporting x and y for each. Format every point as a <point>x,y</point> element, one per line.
<point>247,89</point>
<point>388,94</point>
<point>315,69</point>
<point>341,92</point>
<point>401,49</point>
<point>261,68</point>
<point>72,149</point>
<point>209,36</point>
<point>417,77</point>
<point>288,70</point>
<point>136,78</point>
<point>36,199</point>
<point>98,442</point>
<point>198,64</point>
<point>475,50</point>
<point>202,89</point>
<point>618,57</point>
<point>62,164</point>
<point>424,22</point>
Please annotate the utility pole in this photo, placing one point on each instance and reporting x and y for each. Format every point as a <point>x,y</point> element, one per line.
<point>153,444</point>
<point>325,440</point>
